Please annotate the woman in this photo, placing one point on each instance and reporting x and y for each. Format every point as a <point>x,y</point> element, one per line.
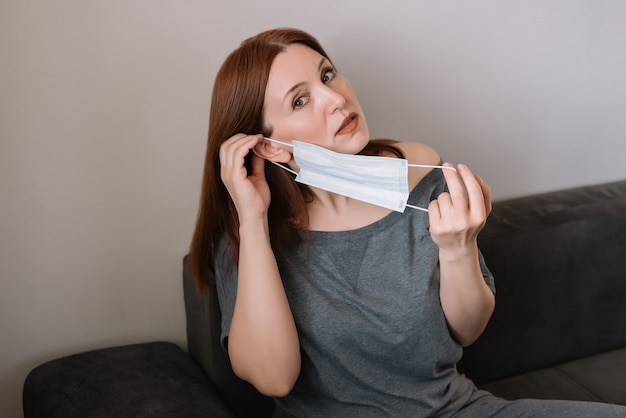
<point>333,305</point>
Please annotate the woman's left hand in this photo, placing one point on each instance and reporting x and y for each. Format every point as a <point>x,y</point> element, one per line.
<point>457,216</point>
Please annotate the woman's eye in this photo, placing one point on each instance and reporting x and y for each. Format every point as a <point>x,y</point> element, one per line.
<point>299,102</point>
<point>328,74</point>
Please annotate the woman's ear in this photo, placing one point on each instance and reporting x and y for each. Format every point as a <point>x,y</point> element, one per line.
<point>270,151</point>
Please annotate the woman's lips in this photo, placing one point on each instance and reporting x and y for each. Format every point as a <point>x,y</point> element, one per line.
<point>349,124</point>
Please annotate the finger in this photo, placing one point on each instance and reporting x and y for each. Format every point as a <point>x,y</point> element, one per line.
<point>257,166</point>
<point>229,150</point>
<point>434,213</point>
<point>232,160</point>
<point>244,145</point>
<point>441,213</point>
<point>445,204</point>
<point>475,196</point>
<point>486,193</point>
<point>455,186</point>
<point>233,143</point>
<point>234,150</point>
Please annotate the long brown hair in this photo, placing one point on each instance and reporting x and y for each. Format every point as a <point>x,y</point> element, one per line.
<point>237,107</point>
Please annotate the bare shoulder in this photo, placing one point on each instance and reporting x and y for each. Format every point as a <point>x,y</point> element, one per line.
<point>418,153</point>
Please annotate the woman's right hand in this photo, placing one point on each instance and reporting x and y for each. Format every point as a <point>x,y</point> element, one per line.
<point>263,344</point>
<point>250,193</point>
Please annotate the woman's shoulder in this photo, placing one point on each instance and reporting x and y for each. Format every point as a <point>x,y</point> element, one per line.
<point>418,153</point>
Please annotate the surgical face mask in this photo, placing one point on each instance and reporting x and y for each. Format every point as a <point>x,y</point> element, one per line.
<point>381,181</point>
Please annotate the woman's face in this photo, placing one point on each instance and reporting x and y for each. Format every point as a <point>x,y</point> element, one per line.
<point>307,100</point>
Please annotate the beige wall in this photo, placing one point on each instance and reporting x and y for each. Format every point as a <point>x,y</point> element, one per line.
<point>103,115</point>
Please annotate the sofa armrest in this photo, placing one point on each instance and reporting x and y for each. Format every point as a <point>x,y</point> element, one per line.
<point>143,380</point>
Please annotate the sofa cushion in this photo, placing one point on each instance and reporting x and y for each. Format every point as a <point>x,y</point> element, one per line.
<point>600,378</point>
<point>143,380</point>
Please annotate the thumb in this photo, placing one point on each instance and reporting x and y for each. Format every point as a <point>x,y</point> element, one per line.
<point>257,165</point>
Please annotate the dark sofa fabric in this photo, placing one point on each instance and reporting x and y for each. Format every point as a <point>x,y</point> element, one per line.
<point>144,380</point>
<point>559,263</point>
<point>558,331</point>
<point>598,378</point>
<point>203,336</point>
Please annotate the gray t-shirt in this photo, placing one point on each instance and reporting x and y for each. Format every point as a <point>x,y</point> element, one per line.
<point>372,332</point>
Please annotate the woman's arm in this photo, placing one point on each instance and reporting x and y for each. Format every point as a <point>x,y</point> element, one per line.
<point>263,342</point>
<point>456,218</point>
<point>466,299</point>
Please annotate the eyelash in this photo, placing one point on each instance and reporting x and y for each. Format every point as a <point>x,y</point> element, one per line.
<point>326,71</point>
<point>325,79</point>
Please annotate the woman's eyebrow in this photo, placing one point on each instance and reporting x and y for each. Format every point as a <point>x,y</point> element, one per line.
<point>295,87</point>
<point>322,61</point>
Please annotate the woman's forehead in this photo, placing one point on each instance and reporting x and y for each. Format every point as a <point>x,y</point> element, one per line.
<point>292,66</point>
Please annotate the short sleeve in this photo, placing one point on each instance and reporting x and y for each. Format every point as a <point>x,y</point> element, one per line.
<point>226,286</point>
<point>486,273</point>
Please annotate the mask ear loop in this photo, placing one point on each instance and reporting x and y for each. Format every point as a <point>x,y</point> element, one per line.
<point>427,166</point>
<point>283,167</point>
<point>278,164</point>
<point>433,166</point>
<point>276,141</point>
<point>416,207</point>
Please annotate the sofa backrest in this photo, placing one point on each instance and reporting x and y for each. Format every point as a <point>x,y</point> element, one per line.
<point>559,262</point>
<point>203,335</point>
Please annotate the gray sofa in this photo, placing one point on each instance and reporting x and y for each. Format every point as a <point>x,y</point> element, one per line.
<point>558,331</point>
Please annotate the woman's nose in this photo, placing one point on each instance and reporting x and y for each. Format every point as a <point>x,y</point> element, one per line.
<point>334,100</point>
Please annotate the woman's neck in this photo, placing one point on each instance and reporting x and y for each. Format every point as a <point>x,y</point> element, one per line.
<point>332,212</point>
